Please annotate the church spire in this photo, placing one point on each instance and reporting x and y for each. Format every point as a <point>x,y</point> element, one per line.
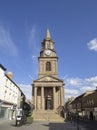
<point>48,34</point>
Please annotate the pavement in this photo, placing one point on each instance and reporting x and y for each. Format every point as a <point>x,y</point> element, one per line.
<point>10,125</point>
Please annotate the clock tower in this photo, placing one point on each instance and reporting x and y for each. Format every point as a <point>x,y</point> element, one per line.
<point>48,58</point>
<point>48,89</point>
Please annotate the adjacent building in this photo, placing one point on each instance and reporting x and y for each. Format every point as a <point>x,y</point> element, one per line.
<point>11,96</point>
<point>84,104</point>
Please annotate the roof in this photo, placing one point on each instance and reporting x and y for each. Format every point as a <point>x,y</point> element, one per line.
<point>2,67</point>
<point>14,84</point>
<point>48,34</point>
<point>88,93</point>
<point>79,98</point>
<point>48,78</point>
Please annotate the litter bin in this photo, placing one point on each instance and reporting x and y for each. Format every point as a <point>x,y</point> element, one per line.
<point>19,117</point>
<point>18,121</point>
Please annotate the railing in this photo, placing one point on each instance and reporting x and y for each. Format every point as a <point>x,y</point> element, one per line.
<point>60,111</point>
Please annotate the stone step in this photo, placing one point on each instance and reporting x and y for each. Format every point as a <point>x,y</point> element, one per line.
<point>47,116</point>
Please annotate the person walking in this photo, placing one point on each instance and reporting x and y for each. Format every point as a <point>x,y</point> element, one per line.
<point>91,115</point>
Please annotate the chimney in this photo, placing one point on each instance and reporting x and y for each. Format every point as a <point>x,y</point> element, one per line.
<point>10,75</point>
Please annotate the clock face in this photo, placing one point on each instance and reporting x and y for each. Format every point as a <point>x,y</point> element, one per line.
<point>47,52</point>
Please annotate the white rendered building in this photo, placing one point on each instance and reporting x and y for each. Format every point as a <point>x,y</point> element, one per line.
<point>10,95</point>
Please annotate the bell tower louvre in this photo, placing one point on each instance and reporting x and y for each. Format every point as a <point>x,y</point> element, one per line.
<point>48,89</point>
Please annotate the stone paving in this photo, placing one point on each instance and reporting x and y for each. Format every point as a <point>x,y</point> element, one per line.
<point>40,126</point>
<point>47,125</point>
<point>52,126</point>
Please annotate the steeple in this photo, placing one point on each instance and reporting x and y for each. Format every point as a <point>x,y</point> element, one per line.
<point>48,34</point>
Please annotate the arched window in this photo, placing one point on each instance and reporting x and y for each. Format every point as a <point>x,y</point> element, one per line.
<point>48,66</point>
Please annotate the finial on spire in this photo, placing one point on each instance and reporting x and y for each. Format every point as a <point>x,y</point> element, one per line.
<point>48,34</point>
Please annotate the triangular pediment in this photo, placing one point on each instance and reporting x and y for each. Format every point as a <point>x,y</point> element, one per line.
<point>48,78</point>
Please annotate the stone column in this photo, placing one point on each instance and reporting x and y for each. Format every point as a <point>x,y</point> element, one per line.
<point>54,107</point>
<point>42,98</point>
<point>35,97</point>
<point>59,97</point>
<point>32,94</point>
<point>62,96</point>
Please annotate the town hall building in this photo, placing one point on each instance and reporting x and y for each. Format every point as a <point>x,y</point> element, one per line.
<point>48,89</point>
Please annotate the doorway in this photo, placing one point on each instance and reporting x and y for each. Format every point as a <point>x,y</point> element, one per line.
<point>48,103</point>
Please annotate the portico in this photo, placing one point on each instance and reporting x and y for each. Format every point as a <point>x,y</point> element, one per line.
<point>48,95</point>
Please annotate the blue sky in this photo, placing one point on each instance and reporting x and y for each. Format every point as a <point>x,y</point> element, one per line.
<point>73,27</point>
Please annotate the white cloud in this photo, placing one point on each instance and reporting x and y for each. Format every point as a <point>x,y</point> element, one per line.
<point>32,35</point>
<point>7,45</point>
<point>27,90</point>
<point>92,45</point>
<point>71,93</point>
<point>33,39</point>
<point>34,58</point>
<point>73,81</point>
<point>77,86</point>
<point>92,79</point>
<point>30,77</point>
<point>34,42</point>
<point>87,88</point>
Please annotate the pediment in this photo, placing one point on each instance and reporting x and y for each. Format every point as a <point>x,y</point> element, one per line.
<point>48,78</point>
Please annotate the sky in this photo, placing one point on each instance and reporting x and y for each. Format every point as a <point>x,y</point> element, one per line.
<point>73,27</point>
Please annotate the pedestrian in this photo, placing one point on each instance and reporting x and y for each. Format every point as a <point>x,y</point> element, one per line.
<point>91,115</point>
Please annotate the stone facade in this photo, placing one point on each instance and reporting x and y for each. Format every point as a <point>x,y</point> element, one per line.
<point>84,104</point>
<point>48,89</point>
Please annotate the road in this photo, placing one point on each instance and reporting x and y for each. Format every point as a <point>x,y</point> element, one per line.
<point>85,125</point>
<point>89,125</point>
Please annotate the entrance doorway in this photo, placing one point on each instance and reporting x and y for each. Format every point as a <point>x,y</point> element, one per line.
<point>48,103</point>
